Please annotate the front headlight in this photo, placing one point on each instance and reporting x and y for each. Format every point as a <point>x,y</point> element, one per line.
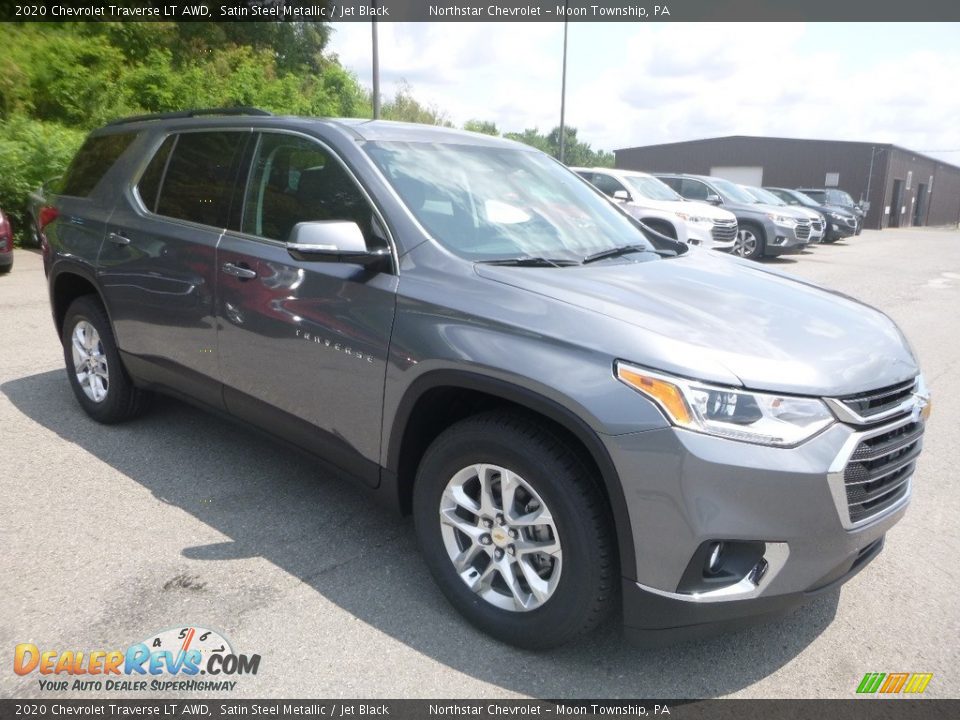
<point>734,413</point>
<point>782,219</point>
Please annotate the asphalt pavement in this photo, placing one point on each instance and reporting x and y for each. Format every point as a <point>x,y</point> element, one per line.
<point>111,534</point>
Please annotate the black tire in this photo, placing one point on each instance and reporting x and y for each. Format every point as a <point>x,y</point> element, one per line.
<point>587,583</point>
<point>756,251</point>
<point>4,269</point>
<point>123,401</point>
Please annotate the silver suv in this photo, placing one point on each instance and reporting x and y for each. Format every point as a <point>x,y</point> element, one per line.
<point>573,412</point>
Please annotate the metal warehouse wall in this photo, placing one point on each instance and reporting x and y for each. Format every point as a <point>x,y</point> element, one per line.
<point>805,163</point>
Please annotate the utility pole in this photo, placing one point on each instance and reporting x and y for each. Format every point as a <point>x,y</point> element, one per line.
<point>563,89</point>
<point>376,68</point>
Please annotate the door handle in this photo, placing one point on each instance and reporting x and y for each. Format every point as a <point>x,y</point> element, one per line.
<point>118,239</point>
<point>244,273</point>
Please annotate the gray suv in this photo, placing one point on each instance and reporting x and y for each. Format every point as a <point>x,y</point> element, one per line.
<point>574,413</point>
<point>763,229</point>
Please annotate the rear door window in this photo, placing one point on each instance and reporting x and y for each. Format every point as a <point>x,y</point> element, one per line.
<point>95,157</point>
<point>200,177</point>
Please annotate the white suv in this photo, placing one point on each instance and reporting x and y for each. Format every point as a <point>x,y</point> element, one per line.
<point>651,200</point>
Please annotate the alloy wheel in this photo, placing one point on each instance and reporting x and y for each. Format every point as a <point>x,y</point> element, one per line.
<point>500,537</point>
<point>746,244</point>
<point>90,361</point>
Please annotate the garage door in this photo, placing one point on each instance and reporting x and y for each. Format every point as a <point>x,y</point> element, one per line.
<point>742,174</point>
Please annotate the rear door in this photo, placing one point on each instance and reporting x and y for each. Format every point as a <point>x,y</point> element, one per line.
<point>158,263</point>
<point>303,344</point>
<point>84,202</point>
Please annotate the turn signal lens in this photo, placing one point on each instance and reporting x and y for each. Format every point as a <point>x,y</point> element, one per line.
<point>666,394</point>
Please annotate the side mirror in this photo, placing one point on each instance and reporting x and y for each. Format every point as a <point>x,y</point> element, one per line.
<point>621,195</point>
<point>713,199</point>
<point>333,241</point>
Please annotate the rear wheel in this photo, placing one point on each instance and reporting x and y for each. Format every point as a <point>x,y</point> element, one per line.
<point>96,374</point>
<point>749,243</point>
<point>515,531</point>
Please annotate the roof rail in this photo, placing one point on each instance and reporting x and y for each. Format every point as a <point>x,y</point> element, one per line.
<point>242,110</point>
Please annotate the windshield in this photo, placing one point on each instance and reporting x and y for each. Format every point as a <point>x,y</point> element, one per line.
<point>490,203</point>
<point>765,196</point>
<point>839,197</point>
<point>651,188</point>
<point>805,199</point>
<point>731,192</point>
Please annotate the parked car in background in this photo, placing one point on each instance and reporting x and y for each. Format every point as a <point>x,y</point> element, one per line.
<point>837,198</point>
<point>6,243</point>
<point>817,221</point>
<point>840,222</point>
<point>640,193</point>
<point>763,230</point>
<point>39,212</point>
<point>663,221</point>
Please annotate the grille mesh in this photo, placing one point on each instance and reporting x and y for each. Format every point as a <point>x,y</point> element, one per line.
<point>878,473</point>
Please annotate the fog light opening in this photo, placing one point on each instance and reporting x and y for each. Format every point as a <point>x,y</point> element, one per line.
<point>713,560</point>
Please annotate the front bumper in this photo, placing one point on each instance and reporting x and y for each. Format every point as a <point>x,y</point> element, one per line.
<point>784,241</point>
<point>684,490</point>
<point>702,234</point>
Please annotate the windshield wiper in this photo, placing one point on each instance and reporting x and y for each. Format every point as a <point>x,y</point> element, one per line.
<point>616,252</point>
<point>528,261</point>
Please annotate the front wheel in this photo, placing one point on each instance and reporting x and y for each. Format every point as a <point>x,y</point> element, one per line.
<point>96,374</point>
<point>749,244</point>
<point>515,530</point>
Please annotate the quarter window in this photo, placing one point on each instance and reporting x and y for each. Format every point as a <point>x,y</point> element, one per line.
<point>93,160</point>
<point>296,180</point>
<point>200,177</point>
<point>149,186</point>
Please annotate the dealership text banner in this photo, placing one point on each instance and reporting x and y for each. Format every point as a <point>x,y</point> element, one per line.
<point>481,11</point>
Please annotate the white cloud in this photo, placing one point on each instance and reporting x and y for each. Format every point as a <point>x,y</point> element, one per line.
<point>636,84</point>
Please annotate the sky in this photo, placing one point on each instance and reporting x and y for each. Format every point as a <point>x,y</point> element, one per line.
<point>634,84</point>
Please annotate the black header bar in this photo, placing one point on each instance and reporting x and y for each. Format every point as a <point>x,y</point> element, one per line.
<point>482,10</point>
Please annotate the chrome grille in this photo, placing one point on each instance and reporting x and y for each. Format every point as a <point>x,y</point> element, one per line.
<point>878,473</point>
<point>874,402</point>
<point>803,230</point>
<point>817,225</point>
<point>724,230</point>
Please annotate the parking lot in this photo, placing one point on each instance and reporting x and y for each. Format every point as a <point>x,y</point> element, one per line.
<point>111,534</point>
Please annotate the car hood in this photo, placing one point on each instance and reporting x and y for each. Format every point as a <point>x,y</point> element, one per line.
<point>724,319</point>
<point>688,207</point>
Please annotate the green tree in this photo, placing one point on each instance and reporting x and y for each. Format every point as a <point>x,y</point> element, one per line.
<point>485,127</point>
<point>407,108</point>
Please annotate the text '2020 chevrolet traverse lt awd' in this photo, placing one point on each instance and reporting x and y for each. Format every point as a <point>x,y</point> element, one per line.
<point>571,411</point>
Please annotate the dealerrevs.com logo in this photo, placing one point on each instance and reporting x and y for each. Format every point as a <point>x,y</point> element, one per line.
<point>894,683</point>
<point>178,659</point>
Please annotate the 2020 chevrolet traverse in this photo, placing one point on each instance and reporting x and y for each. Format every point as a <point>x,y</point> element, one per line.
<point>571,410</point>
